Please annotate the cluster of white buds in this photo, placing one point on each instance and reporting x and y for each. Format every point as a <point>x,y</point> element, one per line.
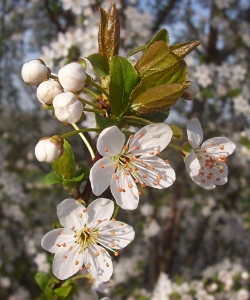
<point>48,149</point>
<point>191,91</point>
<point>61,94</point>
<point>58,93</point>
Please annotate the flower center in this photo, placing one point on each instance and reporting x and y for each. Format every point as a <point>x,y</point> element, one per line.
<point>86,237</point>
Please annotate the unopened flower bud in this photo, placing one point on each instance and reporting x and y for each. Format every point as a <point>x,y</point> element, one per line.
<point>191,91</point>
<point>47,91</point>
<point>34,72</point>
<point>68,109</point>
<point>72,77</point>
<point>49,148</point>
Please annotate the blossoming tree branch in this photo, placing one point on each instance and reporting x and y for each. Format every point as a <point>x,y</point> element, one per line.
<point>126,94</point>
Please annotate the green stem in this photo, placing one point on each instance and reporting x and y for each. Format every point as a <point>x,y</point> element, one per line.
<point>174,146</point>
<point>85,141</point>
<point>93,94</point>
<point>53,77</point>
<point>98,111</point>
<point>66,135</point>
<point>98,87</point>
<point>89,102</point>
<point>88,276</point>
<point>115,211</point>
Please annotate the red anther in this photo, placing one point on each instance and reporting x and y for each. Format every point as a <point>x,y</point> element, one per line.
<point>139,193</point>
<point>125,148</point>
<point>221,147</point>
<point>218,179</point>
<point>116,176</point>
<point>221,170</point>
<point>158,151</point>
<point>151,153</point>
<point>101,166</point>
<point>143,184</point>
<point>141,135</point>
<point>212,144</point>
<point>202,173</point>
<point>107,149</point>
<point>85,210</point>
<point>152,168</point>
<point>156,182</point>
<point>159,176</point>
<point>166,161</point>
<point>130,185</point>
<point>137,180</point>
<point>209,176</point>
<point>145,176</point>
<point>204,150</point>
<point>131,136</point>
<point>202,180</point>
<point>121,190</point>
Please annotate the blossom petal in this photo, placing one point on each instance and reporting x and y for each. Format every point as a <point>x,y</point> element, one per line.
<point>98,263</point>
<point>99,210</point>
<point>157,174</point>
<point>56,237</point>
<point>71,214</point>
<point>151,139</point>
<point>67,261</point>
<point>194,132</point>
<point>208,178</point>
<point>100,175</point>
<point>192,163</point>
<point>110,142</point>
<point>116,235</point>
<point>219,146</point>
<point>129,198</point>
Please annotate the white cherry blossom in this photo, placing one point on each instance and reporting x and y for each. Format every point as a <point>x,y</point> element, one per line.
<point>206,162</point>
<point>86,234</point>
<point>125,164</point>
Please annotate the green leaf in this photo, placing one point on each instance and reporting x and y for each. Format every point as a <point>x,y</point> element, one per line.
<point>64,166</point>
<point>104,122</point>
<point>74,179</point>
<point>176,73</point>
<point>100,64</point>
<point>186,148</point>
<point>63,291</point>
<point>83,170</point>
<point>158,117</point>
<point>51,178</point>
<point>109,32</point>
<point>177,132</point>
<point>136,121</point>
<point>42,280</point>
<point>161,35</point>
<point>156,99</point>
<point>182,49</point>
<point>103,24</point>
<point>157,57</point>
<point>123,79</point>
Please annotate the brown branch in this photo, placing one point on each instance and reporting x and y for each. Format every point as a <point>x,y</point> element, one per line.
<point>52,17</point>
<point>162,14</point>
